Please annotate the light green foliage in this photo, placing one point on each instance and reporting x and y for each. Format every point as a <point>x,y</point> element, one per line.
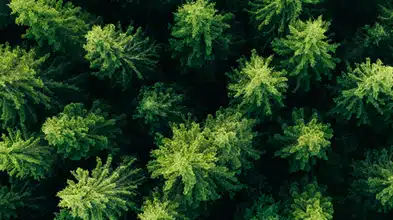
<point>12,201</point>
<point>101,194</point>
<point>118,55</point>
<point>20,86</point>
<point>22,157</point>
<point>232,136</point>
<point>51,22</point>
<point>158,104</point>
<point>78,133</point>
<point>158,209</point>
<point>199,33</point>
<point>307,52</point>
<point>265,208</point>
<point>258,86</point>
<point>190,166</point>
<point>304,141</point>
<point>310,204</point>
<point>365,90</point>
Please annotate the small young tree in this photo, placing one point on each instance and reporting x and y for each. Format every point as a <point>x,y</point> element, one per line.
<point>118,55</point>
<point>159,209</point>
<point>304,141</point>
<point>102,194</point>
<point>265,208</point>
<point>12,201</point>
<point>365,90</point>
<point>78,133</point>
<point>257,86</point>
<point>307,52</point>
<point>199,33</point>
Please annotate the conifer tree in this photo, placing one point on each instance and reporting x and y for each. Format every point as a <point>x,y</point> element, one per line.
<point>22,157</point>
<point>11,201</point>
<point>257,86</point>
<point>118,55</point>
<point>51,22</point>
<point>101,194</point>
<point>199,33</point>
<point>159,209</point>
<point>365,90</point>
<point>78,133</point>
<point>307,52</point>
<point>304,141</point>
<point>265,208</point>
<point>65,214</point>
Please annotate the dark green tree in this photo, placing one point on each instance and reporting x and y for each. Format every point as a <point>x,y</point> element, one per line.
<point>12,201</point>
<point>199,33</point>
<point>5,15</point>
<point>265,208</point>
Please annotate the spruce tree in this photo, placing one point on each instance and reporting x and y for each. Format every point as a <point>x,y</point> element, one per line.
<point>199,33</point>
<point>257,86</point>
<point>12,201</point>
<point>304,141</point>
<point>118,55</point>
<point>265,208</point>
<point>159,209</point>
<point>103,193</point>
<point>78,133</point>
<point>307,52</point>
<point>365,91</point>
<point>24,157</point>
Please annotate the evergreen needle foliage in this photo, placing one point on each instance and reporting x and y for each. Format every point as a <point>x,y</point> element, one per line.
<point>11,201</point>
<point>258,86</point>
<point>199,33</point>
<point>304,141</point>
<point>78,133</point>
<point>265,208</point>
<point>307,52</point>
<point>118,55</point>
<point>158,209</point>
<point>101,194</point>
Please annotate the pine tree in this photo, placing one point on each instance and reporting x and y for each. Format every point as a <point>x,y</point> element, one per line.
<point>307,52</point>
<point>118,55</point>
<point>22,157</point>
<point>304,141</point>
<point>158,105</point>
<point>12,200</point>
<point>265,208</point>
<point>364,91</point>
<point>51,22</point>
<point>257,86</point>
<point>101,194</point>
<point>199,33</point>
<point>159,209</point>
<point>78,133</point>
<point>310,204</point>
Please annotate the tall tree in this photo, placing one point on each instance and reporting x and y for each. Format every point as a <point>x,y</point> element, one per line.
<point>103,193</point>
<point>118,55</point>
<point>265,208</point>
<point>199,33</point>
<point>307,52</point>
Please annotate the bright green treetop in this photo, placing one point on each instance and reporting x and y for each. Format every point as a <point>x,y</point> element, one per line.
<point>304,141</point>
<point>51,22</point>
<point>199,33</point>
<point>265,208</point>
<point>307,52</point>
<point>22,157</point>
<point>365,90</point>
<point>78,133</point>
<point>257,85</point>
<point>158,209</point>
<point>101,194</point>
<point>118,55</point>
<point>12,201</point>
<point>310,204</point>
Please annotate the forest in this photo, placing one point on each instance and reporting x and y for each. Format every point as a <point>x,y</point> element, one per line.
<point>196,109</point>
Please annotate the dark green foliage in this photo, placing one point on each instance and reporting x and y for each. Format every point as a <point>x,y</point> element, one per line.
<point>12,201</point>
<point>65,214</point>
<point>78,133</point>
<point>199,33</point>
<point>5,15</point>
<point>101,194</point>
<point>265,208</point>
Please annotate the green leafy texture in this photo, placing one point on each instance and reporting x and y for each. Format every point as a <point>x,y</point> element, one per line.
<point>157,209</point>
<point>374,179</point>
<point>304,142</point>
<point>310,204</point>
<point>231,134</point>
<point>22,157</point>
<point>65,214</point>
<point>51,22</point>
<point>20,86</point>
<point>78,133</point>
<point>158,104</point>
<point>11,201</point>
<point>307,52</point>
<point>199,34</point>
<point>365,90</point>
<point>118,55</point>
<point>102,194</point>
<point>265,208</point>
<point>258,86</point>
<point>190,166</point>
